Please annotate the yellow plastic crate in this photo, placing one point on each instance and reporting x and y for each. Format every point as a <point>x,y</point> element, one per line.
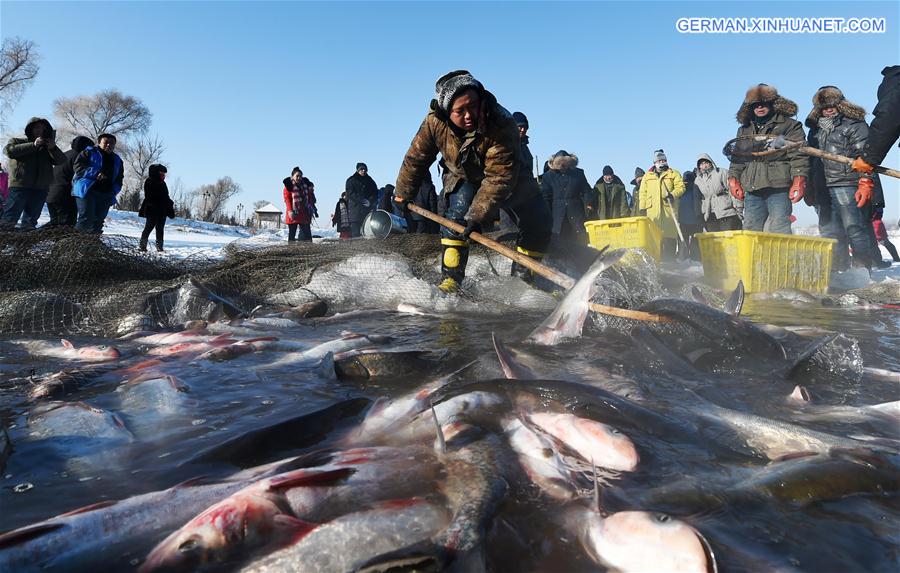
<point>765,262</point>
<point>628,232</point>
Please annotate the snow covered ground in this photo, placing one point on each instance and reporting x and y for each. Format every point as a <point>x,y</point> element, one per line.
<point>185,238</point>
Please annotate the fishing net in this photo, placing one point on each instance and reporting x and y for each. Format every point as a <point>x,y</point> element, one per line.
<point>61,281</point>
<point>747,148</point>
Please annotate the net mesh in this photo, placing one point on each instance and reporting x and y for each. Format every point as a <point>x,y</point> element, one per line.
<point>61,281</point>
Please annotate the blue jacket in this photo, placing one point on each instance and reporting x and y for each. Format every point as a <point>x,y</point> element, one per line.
<point>88,165</point>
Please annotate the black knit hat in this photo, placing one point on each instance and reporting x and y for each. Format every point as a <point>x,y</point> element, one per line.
<point>607,170</point>
<point>638,172</point>
<point>451,85</point>
<point>362,166</point>
<point>520,118</point>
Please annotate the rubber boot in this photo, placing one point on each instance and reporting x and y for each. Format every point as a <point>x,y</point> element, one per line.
<point>525,273</point>
<point>454,257</point>
<point>143,245</point>
<point>159,248</point>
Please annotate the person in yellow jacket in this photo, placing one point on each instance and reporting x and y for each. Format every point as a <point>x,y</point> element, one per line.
<point>659,184</point>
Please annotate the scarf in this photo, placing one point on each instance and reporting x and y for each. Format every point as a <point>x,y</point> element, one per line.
<point>826,125</point>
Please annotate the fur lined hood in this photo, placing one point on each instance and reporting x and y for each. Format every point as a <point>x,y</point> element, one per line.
<point>768,94</point>
<point>563,161</point>
<point>830,96</point>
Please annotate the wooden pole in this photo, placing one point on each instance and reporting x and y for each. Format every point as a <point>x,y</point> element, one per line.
<point>558,278</point>
<point>846,160</point>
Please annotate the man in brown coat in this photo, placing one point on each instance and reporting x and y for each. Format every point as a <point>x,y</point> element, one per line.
<point>485,171</point>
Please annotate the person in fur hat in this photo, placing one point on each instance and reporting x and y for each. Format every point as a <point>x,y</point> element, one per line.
<point>569,195</point>
<point>484,172</point>
<point>768,186</point>
<point>843,198</point>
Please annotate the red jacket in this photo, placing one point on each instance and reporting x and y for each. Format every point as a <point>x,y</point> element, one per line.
<point>305,209</point>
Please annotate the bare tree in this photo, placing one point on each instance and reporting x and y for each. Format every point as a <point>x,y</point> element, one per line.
<point>212,198</point>
<point>182,199</point>
<point>143,152</point>
<point>258,204</point>
<point>109,111</point>
<point>18,68</point>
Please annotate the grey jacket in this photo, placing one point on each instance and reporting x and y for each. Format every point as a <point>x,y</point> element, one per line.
<point>848,138</point>
<point>716,199</point>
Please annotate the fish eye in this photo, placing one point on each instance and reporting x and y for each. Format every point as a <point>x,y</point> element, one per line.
<point>189,545</point>
<point>614,431</point>
<point>102,347</point>
<point>662,518</point>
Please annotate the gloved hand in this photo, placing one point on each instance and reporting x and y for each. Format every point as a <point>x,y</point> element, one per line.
<point>472,227</point>
<point>734,187</point>
<point>860,166</point>
<point>864,191</point>
<point>315,212</point>
<point>402,204</point>
<point>798,188</point>
<point>670,199</point>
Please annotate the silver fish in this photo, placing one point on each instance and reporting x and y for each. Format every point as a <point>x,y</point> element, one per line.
<point>343,544</point>
<point>568,318</point>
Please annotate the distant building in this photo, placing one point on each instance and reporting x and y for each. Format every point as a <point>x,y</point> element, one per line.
<point>268,217</point>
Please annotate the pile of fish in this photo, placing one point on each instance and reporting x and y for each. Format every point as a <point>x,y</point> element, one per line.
<point>435,478</point>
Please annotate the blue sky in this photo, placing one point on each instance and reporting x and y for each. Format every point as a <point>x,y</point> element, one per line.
<point>250,89</point>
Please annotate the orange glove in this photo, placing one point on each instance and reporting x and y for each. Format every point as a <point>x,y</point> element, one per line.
<point>861,166</point>
<point>734,187</point>
<point>798,188</point>
<point>864,191</point>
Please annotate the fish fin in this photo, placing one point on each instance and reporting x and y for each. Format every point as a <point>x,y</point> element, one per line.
<point>91,507</point>
<point>193,482</point>
<point>297,528</point>
<point>670,358</point>
<point>807,354</point>
<point>735,303</point>
<point>305,478</point>
<point>67,344</point>
<point>442,443</point>
<point>696,355</point>
<point>800,394</point>
<point>307,460</point>
<point>698,295</point>
<point>425,555</point>
<point>597,507</point>
<point>795,456</point>
<point>511,369</point>
<point>23,534</point>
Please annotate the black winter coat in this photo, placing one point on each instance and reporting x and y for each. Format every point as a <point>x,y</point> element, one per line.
<point>157,203</point>
<point>362,193</point>
<point>61,188</point>
<point>567,193</point>
<point>426,198</point>
<point>885,128</point>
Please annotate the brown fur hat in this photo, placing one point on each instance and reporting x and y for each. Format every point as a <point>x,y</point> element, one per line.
<point>563,161</point>
<point>830,96</point>
<point>768,94</point>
